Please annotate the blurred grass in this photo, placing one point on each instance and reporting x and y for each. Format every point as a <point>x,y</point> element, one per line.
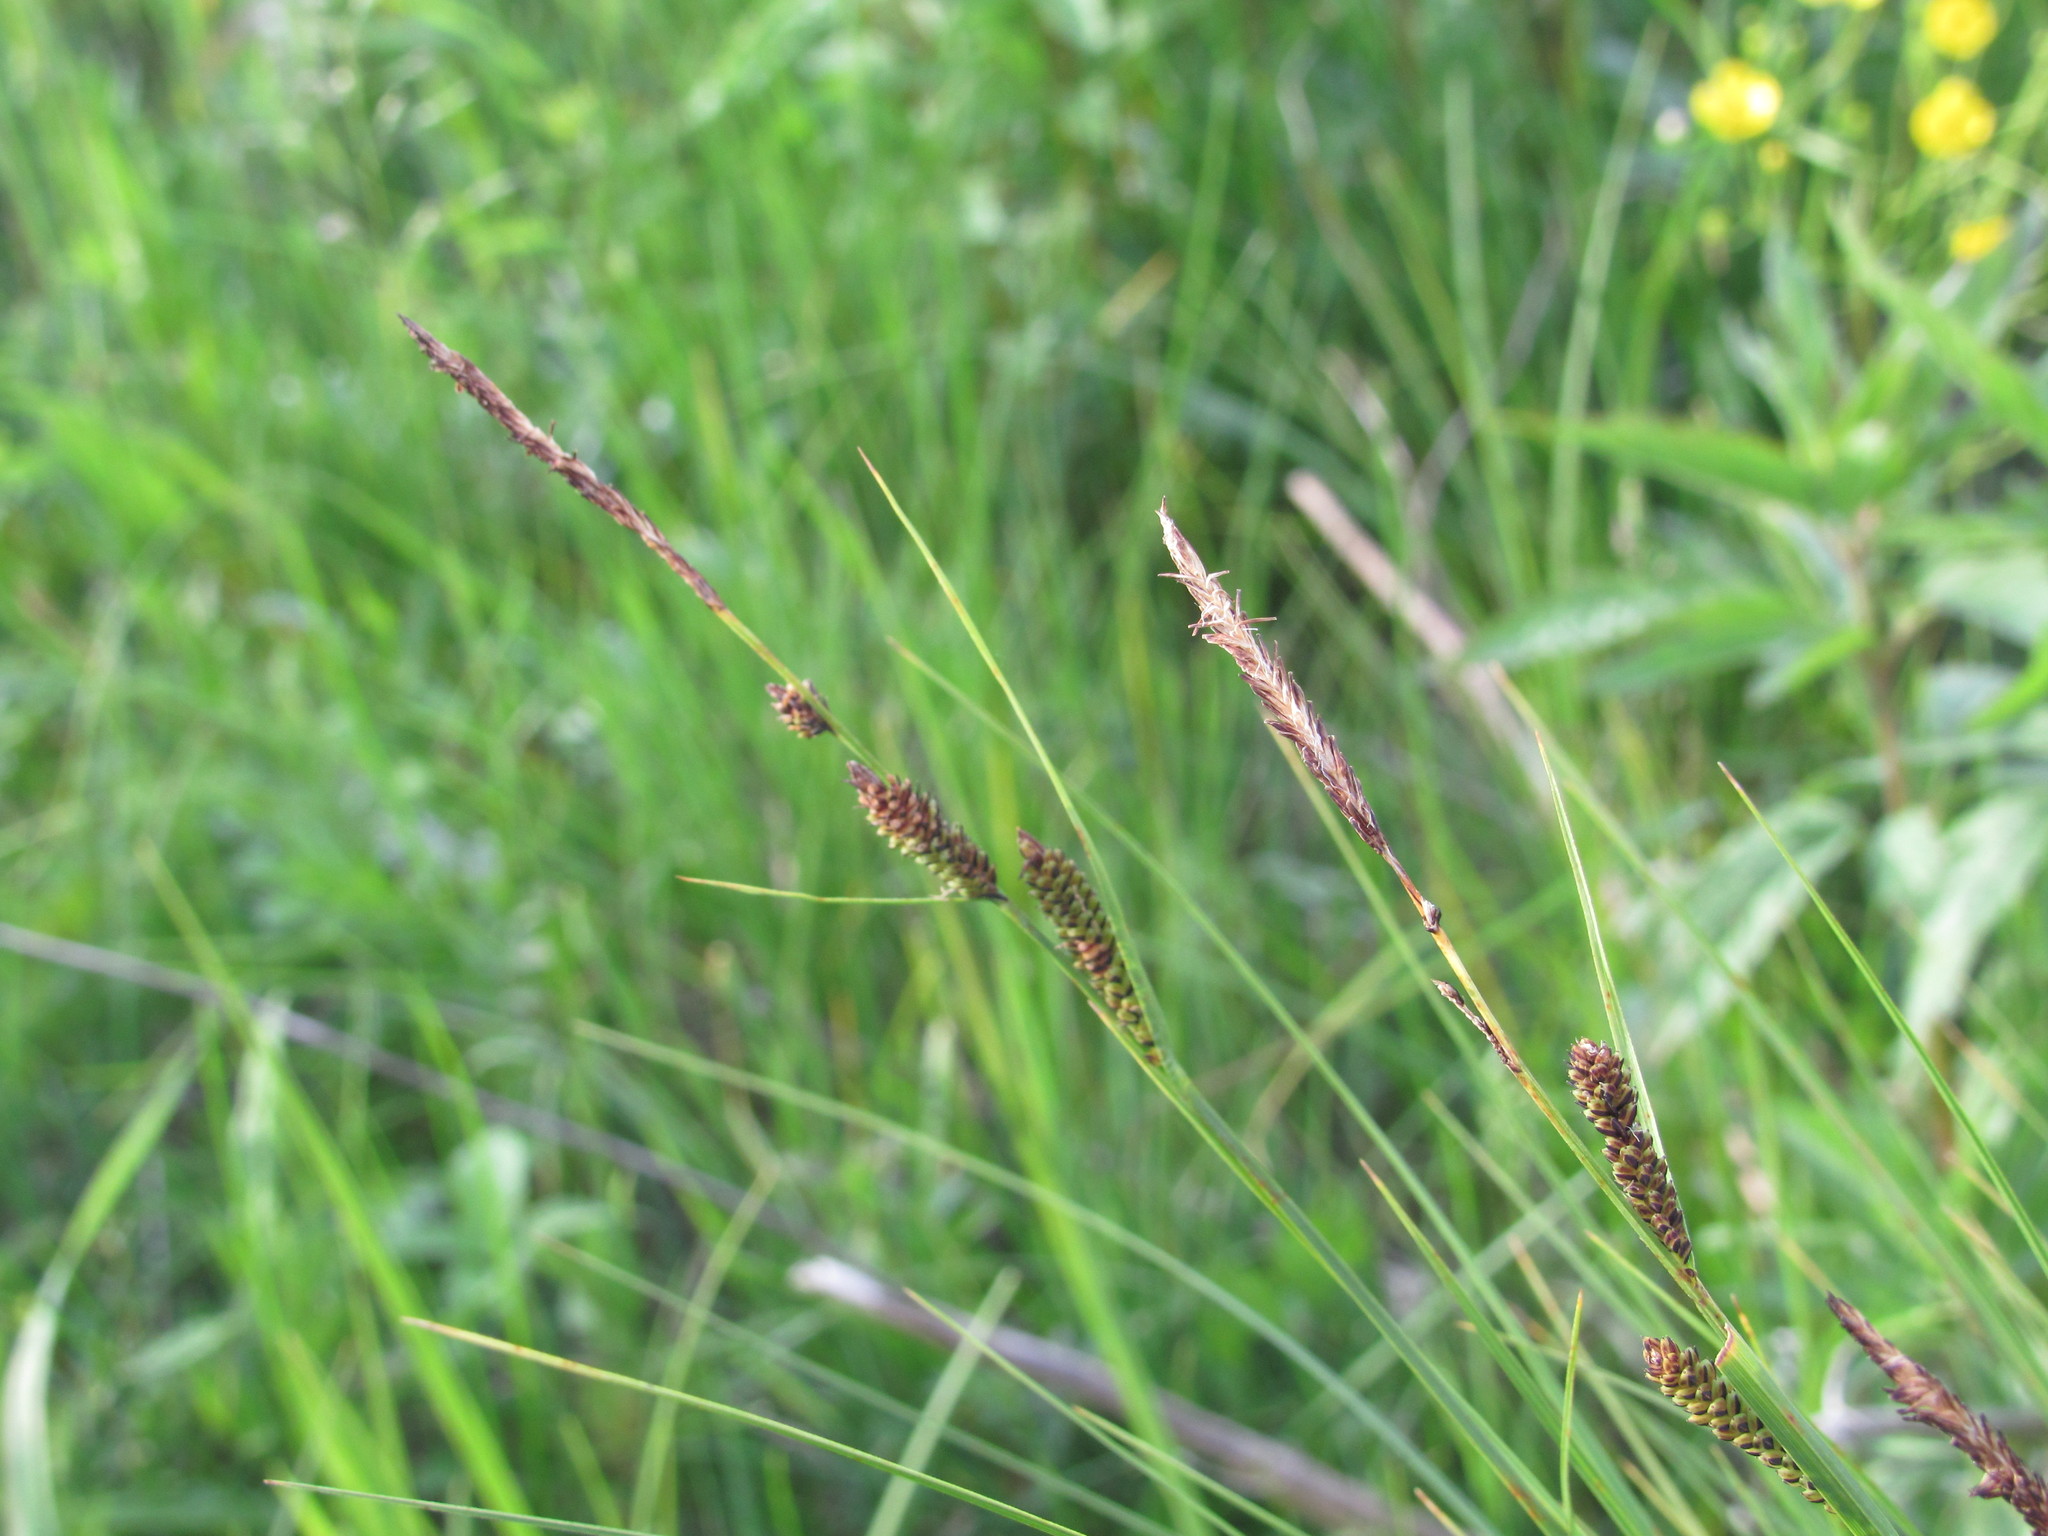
<point>425,741</point>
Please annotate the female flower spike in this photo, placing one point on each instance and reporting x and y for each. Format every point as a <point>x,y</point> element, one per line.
<point>1736,101</point>
<point>1698,1387</point>
<point>1952,120</point>
<point>910,821</point>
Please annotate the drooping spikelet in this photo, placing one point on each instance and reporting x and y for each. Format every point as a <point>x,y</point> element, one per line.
<point>1068,900</point>
<point>608,499</point>
<point>1222,623</point>
<point>1924,1398</point>
<point>794,709</point>
<point>1601,1084</point>
<point>909,818</point>
<point>1699,1388</point>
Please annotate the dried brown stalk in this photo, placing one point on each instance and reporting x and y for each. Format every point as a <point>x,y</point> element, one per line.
<point>1068,899</point>
<point>472,381</point>
<point>1223,624</point>
<point>910,820</point>
<point>1501,1048</point>
<point>1699,1388</point>
<point>793,707</point>
<point>1601,1083</point>
<point>1925,1399</point>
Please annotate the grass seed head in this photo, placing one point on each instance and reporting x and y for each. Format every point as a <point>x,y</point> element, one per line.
<point>1601,1083</point>
<point>1698,1387</point>
<point>608,499</point>
<point>794,709</point>
<point>910,820</point>
<point>1069,902</point>
<point>1924,1398</point>
<point>1221,622</point>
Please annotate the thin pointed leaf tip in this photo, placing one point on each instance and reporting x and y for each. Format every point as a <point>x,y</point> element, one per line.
<point>1069,902</point>
<point>1924,1398</point>
<point>909,819</point>
<point>1699,1388</point>
<point>1602,1085</point>
<point>1221,622</point>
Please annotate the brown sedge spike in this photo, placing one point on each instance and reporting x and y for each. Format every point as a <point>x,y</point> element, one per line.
<point>1069,902</point>
<point>1698,1387</point>
<point>1924,1398</point>
<point>1602,1085</point>
<point>1222,623</point>
<point>910,821</point>
<point>794,709</point>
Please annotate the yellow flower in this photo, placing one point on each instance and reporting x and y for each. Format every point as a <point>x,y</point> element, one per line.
<point>1962,29</point>
<point>1736,101</point>
<point>1978,238</point>
<point>1952,120</point>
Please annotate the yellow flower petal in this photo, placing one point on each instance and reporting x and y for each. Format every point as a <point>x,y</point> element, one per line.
<point>1961,29</point>
<point>1736,101</point>
<point>1978,238</point>
<point>1952,120</point>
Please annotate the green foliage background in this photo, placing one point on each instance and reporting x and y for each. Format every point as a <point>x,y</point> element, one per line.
<point>305,674</point>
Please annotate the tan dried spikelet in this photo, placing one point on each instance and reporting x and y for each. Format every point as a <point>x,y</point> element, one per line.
<point>1602,1085</point>
<point>1924,1398</point>
<point>1222,623</point>
<point>1699,1388</point>
<point>910,820</point>
<point>1068,900</point>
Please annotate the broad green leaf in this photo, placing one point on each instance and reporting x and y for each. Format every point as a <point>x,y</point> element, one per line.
<point>1595,618</point>
<point>1574,624</point>
<point>1998,383</point>
<point>1743,897</point>
<point>2027,690</point>
<point>1992,854</point>
<point>1738,466</point>
<point>1729,631</point>
<point>2006,593</point>
<point>1803,659</point>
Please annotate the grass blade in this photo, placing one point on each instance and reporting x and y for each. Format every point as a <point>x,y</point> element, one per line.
<point>31,1498</point>
<point>851,1453</point>
<point>938,1409</point>
<point>1991,1167</point>
<point>435,1507</point>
